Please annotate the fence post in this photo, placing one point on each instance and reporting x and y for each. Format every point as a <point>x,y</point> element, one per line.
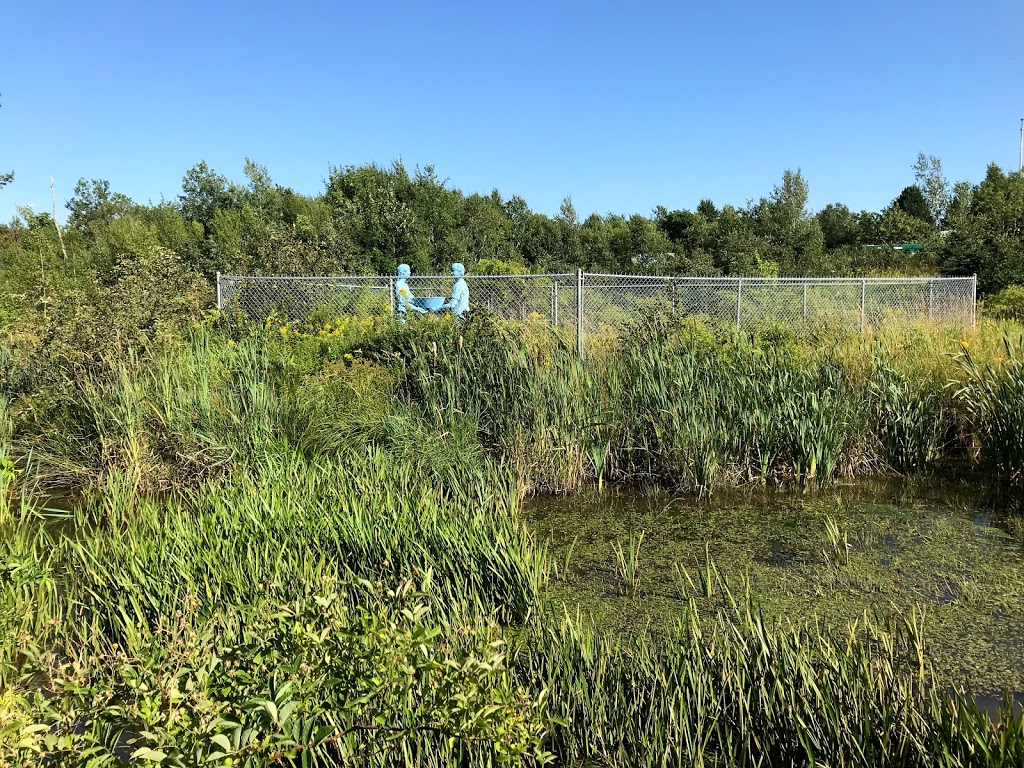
<point>931,301</point>
<point>974,300</point>
<point>863,292</point>
<point>805,300</point>
<point>673,299</point>
<point>220,303</point>
<point>579,312</point>
<point>554,314</point>
<point>391,294</point>
<point>739,300</point>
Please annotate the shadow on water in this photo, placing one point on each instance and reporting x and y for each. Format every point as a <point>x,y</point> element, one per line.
<point>886,547</point>
<point>993,704</point>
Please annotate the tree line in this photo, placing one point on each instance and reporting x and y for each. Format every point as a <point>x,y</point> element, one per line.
<point>369,218</point>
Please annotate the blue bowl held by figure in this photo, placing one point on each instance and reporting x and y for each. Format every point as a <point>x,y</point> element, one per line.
<point>429,303</point>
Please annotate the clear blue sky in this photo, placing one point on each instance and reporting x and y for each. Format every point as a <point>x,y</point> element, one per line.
<point>623,106</point>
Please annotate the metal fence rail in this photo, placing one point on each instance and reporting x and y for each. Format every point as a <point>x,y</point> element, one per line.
<point>590,303</point>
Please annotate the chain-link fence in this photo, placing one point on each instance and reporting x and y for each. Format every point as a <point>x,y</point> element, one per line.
<point>596,303</point>
<point>514,297</point>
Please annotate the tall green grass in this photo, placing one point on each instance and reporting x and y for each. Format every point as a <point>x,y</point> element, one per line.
<point>673,402</point>
<point>275,613</point>
<point>699,415</point>
<point>30,600</point>
<point>289,521</point>
<point>732,690</point>
<point>7,472</point>
<point>692,408</point>
<point>993,397</point>
<point>271,615</point>
<point>303,543</point>
<point>912,415</point>
<point>536,404</point>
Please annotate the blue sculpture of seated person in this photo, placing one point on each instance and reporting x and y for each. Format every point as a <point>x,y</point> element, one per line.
<point>404,300</point>
<point>458,303</point>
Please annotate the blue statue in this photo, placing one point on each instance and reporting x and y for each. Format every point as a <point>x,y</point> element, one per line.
<point>404,300</point>
<point>458,304</point>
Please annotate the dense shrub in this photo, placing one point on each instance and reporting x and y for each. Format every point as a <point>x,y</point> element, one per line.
<point>1008,303</point>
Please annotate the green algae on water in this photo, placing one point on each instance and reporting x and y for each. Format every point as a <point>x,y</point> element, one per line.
<point>884,548</point>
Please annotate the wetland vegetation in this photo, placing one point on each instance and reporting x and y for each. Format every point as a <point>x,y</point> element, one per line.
<point>336,543</point>
<point>346,542</point>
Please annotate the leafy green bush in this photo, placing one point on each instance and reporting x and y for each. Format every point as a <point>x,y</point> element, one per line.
<point>354,675</point>
<point>1008,303</point>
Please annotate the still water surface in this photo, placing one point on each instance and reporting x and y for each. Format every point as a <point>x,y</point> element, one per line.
<point>884,547</point>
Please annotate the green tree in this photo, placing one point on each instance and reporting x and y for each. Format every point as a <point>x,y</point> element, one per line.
<point>485,231</point>
<point>897,226</point>
<point>676,225</point>
<point>174,233</point>
<point>792,237</point>
<point>749,255</point>
<point>569,225</point>
<point>518,213</point>
<point>440,212</point>
<point>204,192</point>
<point>595,245</point>
<point>92,205</point>
<point>959,212</point>
<point>707,209</point>
<point>989,237</point>
<point>913,203</point>
<point>122,240</point>
<point>839,227</point>
<point>649,250</point>
<point>933,185</point>
<point>374,205</point>
<point>694,237</point>
<point>542,243</point>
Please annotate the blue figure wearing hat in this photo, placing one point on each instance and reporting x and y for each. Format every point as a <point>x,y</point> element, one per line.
<point>404,300</point>
<point>458,304</point>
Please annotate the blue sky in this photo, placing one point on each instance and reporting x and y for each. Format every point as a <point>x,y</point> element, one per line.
<point>623,106</point>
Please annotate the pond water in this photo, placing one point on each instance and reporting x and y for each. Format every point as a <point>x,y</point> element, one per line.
<point>883,547</point>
